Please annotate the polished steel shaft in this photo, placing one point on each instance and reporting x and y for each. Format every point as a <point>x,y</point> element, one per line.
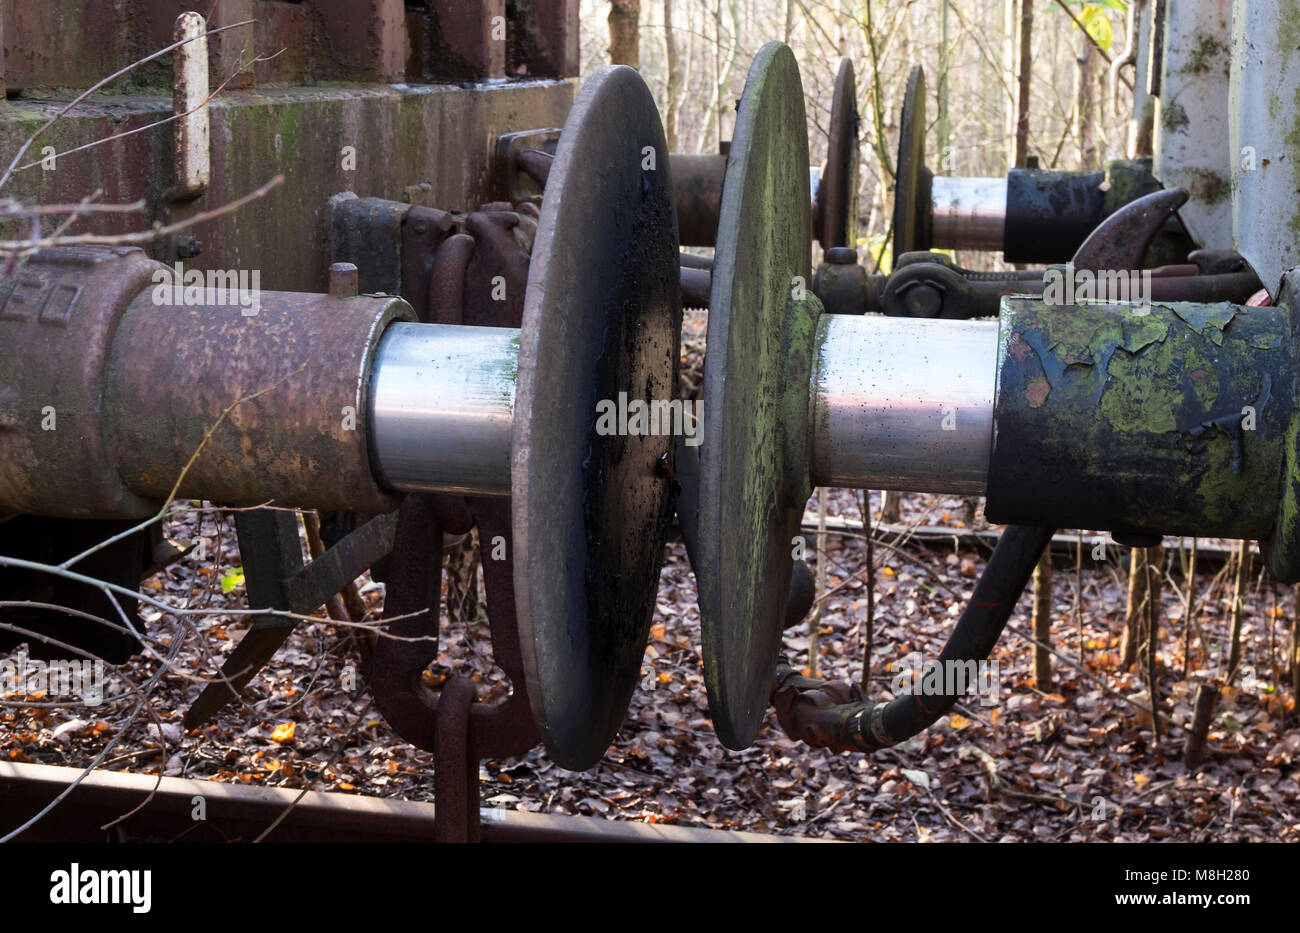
<point>903,403</point>
<point>442,402</point>
<point>968,213</point>
<point>898,403</point>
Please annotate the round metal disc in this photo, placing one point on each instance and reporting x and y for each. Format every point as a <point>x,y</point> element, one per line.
<point>837,195</point>
<point>602,316</point>
<point>764,242</point>
<point>912,220</point>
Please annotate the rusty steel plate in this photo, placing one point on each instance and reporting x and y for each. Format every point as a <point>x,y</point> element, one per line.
<point>912,212</point>
<point>752,482</point>
<point>602,316</point>
<point>837,195</point>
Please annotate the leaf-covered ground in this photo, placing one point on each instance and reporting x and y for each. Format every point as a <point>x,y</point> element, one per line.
<point>1076,762</point>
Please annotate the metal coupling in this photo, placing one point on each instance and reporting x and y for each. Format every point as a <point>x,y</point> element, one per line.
<point>828,714</point>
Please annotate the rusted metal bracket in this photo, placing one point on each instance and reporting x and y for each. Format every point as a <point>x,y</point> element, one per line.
<point>449,278</point>
<point>514,182</point>
<point>190,135</point>
<point>277,578</point>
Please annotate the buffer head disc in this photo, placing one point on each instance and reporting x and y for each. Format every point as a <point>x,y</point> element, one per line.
<point>746,505</point>
<point>837,196</point>
<point>912,215</point>
<point>591,509</point>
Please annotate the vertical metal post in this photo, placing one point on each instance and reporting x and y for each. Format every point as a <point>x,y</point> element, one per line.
<point>190,131</point>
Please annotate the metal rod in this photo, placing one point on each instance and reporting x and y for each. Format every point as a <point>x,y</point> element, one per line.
<point>697,190</point>
<point>903,403</point>
<point>969,213</point>
<point>442,404</point>
<point>240,813</point>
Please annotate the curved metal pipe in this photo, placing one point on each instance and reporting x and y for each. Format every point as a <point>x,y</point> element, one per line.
<point>837,715</point>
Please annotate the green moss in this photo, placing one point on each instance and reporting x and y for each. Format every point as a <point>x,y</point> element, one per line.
<point>1173,117</point>
<point>1207,186</point>
<point>1208,320</point>
<point>1201,61</point>
<point>1135,402</point>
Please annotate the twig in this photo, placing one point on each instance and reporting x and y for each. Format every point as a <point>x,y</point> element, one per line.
<point>142,704</point>
<point>27,247</point>
<point>1003,786</point>
<point>947,814</point>
<point>1082,28</point>
<point>53,570</point>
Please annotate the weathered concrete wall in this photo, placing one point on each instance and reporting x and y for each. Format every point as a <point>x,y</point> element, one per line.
<point>439,135</point>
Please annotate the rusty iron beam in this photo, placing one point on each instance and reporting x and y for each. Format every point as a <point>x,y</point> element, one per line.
<point>236,812</point>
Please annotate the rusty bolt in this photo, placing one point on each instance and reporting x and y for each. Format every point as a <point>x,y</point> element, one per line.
<point>923,300</point>
<point>343,280</point>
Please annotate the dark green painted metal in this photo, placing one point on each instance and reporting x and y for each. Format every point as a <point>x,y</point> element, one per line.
<point>753,462</point>
<point>1050,213</point>
<point>602,315</point>
<point>1282,548</point>
<point>1134,419</point>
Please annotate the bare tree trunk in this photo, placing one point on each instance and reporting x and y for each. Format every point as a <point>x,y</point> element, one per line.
<point>1011,35</point>
<point>1151,635</point>
<point>462,580</point>
<point>1084,103</point>
<point>1244,558</point>
<point>879,140</point>
<point>721,76</point>
<point>869,626</point>
<point>944,127</point>
<point>625,32</point>
<point>1189,605</point>
<point>1295,651</point>
<point>815,620</point>
<point>1026,69</point>
<point>1078,592</point>
<point>891,506</point>
<point>1145,585</point>
<point>1194,743</point>
<point>1137,584</point>
<point>1043,621</point>
<point>674,79</point>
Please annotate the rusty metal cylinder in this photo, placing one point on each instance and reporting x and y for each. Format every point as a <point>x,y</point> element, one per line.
<point>697,192</point>
<point>268,392</point>
<point>57,314</point>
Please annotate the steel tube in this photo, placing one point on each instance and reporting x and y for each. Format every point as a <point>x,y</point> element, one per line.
<point>903,403</point>
<point>969,213</point>
<point>697,191</point>
<point>442,404</point>
<point>247,397</point>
